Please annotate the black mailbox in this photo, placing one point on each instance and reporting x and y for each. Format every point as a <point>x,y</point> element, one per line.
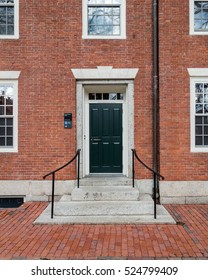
<point>68,120</point>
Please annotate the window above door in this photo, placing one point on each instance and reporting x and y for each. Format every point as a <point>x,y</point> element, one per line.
<point>104,19</point>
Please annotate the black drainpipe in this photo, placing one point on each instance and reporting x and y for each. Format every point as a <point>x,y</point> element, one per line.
<point>155,87</point>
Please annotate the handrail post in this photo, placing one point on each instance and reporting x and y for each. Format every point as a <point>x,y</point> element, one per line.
<point>52,198</point>
<point>133,171</point>
<point>78,169</point>
<point>156,176</point>
<point>155,196</point>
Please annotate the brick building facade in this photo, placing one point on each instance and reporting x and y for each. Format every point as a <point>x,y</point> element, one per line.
<point>94,59</point>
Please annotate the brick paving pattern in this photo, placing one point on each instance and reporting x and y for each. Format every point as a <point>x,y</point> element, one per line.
<point>21,239</point>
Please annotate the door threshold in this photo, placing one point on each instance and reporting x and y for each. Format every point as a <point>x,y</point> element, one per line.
<point>105,175</point>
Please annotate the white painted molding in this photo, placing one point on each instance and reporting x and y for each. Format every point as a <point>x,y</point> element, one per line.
<point>105,72</point>
<point>198,72</point>
<point>9,75</point>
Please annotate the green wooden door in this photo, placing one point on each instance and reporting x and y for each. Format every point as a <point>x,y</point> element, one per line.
<point>105,138</point>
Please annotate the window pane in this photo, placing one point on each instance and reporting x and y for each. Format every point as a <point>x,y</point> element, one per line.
<point>198,130</point>
<point>9,141</point>
<point>10,10</point>
<point>205,120</point>
<point>2,29</point>
<point>9,101</point>
<point>105,96</point>
<point>198,120</point>
<point>116,20</point>
<point>9,121</point>
<point>2,141</point>
<point>116,30</point>
<point>10,30</point>
<point>204,24</point>
<point>3,19</point>
<point>10,20</point>
<point>1,100</point>
<point>199,109</point>
<point>113,96</point>
<point>100,20</point>
<point>2,10</point>
<point>1,110</point>
<point>2,121</point>
<point>9,110</point>
<point>206,130</point>
<point>206,140</point>
<point>100,11</point>
<point>116,11</point>
<point>120,96</point>
<point>206,108</point>
<point>9,131</point>
<point>198,140</point>
<point>199,87</point>
<point>98,96</point>
<point>91,96</point>
<point>2,131</point>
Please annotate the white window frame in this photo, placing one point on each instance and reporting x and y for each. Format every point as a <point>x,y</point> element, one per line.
<point>85,34</point>
<point>196,75</point>
<point>16,23</point>
<point>11,77</point>
<point>191,20</point>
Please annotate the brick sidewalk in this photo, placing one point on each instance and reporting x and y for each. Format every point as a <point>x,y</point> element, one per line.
<point>21,239</point>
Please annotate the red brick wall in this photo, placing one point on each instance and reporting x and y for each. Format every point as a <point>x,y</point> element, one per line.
<point>178,52</point>
<point>50,45</point>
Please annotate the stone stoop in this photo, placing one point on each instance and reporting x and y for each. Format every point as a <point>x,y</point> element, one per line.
<point>105,201</point>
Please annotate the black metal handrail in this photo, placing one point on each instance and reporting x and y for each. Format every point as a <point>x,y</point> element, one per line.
<point>58,169</point>
<point>155,173</point>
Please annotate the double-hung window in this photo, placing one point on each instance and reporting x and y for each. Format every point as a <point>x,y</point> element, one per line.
<point>8,111</point>
<point>199,109</point>
<point>9,19</point>
<point>104,19</point>
<point>198,17</point>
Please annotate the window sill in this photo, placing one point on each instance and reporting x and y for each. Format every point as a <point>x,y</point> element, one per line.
<point>199,150</point>
<point>201,33</point>
<point>93,37</point>
<point>9,150</point>
<point>6,37</point>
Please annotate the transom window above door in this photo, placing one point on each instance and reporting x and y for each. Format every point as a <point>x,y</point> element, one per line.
<point>105,96</point>
<point>104,19</point>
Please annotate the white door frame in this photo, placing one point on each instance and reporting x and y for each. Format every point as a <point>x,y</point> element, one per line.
<point>84,82</point>
<point>104,88</point>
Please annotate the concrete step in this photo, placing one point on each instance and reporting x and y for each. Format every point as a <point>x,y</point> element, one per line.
<point>105,193</point>
<point>103,208</point>
<point>163,217</point>
<point>106,180</point>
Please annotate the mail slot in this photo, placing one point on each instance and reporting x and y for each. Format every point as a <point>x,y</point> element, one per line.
<point>68,120</point>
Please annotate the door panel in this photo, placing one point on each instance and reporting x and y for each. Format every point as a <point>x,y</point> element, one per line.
<point>105,138</point>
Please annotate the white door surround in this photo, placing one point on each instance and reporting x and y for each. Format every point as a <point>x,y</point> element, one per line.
<point>104,79</point>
